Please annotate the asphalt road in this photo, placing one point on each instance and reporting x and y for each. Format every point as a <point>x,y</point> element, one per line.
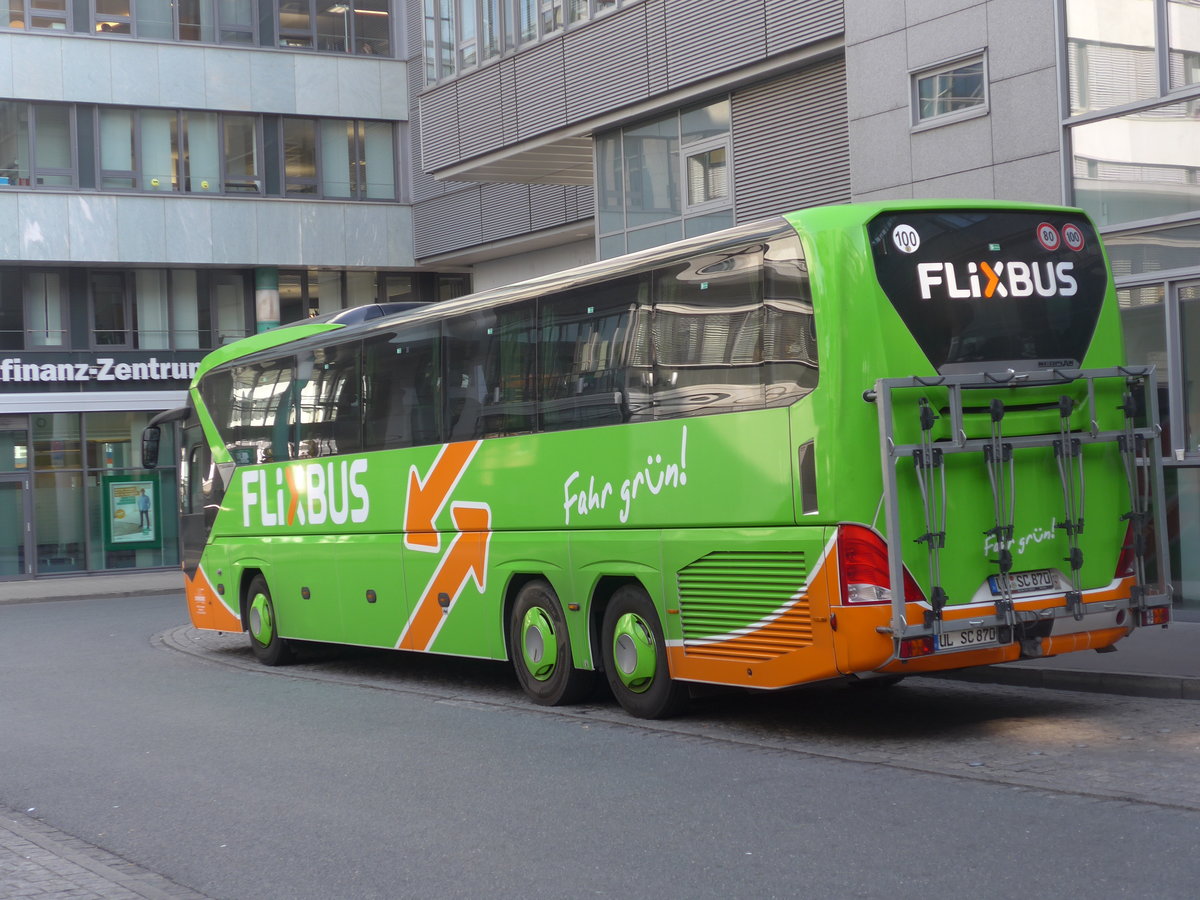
<point>389,775</point>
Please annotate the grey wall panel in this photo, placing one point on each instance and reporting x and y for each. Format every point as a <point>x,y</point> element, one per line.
<point>547,205</point>
<point>439,127</point>
<point>709,36</point>
<point>606,63</point>
<point>791,142</point>
<point>481,127</point>
<point>540,96</point>
<point>505,210</point>
<point>448,223</point>
<point>791,23</point>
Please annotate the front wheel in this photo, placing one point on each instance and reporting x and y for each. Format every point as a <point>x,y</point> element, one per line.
<point>635,657</point>
<point>541,648</point>
<point>269,648</point>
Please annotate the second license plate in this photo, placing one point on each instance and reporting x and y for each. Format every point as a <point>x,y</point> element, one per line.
<point>1025,582</point>
<point>979,636</point>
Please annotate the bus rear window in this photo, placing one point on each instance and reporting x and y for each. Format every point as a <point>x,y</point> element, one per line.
<point>992,289</point>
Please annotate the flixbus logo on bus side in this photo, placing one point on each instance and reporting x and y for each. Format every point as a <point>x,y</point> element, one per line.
<point>984,280</point>
<point>305,494</point>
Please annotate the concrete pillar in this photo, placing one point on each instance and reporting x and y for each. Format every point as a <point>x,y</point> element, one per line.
<point>266,299</point>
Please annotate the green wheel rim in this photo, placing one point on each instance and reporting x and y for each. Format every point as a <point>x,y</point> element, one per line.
<point>634,652</point>
<point>539,647</point>
<point>262,627</point>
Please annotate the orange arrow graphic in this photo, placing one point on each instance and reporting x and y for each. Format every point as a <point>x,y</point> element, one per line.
<point>427,496</point>
<point>466,558</point>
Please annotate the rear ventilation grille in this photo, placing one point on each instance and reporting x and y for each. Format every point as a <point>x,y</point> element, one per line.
<point>744,605</point>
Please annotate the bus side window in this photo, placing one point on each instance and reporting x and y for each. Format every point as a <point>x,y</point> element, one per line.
<point>400,383</point>
<point>582,353</point>
<point>330,409</point>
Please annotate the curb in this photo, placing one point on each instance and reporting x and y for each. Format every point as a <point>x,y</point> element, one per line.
<point>144,592</point>
<point>1170,687</point>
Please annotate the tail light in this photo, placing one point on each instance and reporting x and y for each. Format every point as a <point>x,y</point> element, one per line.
<point>863,568</point>
<point>1156,615</point>
<point>1127,561</point>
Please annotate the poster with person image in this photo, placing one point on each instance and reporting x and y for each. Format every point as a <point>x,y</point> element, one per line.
<point>131,519</point>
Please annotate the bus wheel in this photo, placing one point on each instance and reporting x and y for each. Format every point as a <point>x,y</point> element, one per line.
<point>635,657</point>
<point>541,648</point>
<point>268,646</point>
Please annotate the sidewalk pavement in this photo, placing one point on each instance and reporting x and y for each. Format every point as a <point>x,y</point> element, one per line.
<point>1152,662</point>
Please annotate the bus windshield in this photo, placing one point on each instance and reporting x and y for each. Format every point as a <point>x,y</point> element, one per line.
<point>1019,290</point>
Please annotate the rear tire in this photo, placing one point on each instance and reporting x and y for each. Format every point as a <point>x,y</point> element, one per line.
<point>635,657</point>
<point>269,648</point>
<point>540,645</point>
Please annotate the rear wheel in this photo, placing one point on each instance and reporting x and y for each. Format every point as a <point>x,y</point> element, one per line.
<point>268,646</point>
<point>635,657</point>
<point>541,648</point>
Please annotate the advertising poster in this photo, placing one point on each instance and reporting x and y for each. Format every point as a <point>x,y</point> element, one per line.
<point>131,513</point>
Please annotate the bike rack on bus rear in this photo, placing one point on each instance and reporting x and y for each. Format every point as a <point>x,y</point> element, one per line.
<point>1140,454</point>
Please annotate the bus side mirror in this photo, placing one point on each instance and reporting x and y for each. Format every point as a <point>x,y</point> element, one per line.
<point>150,440</point>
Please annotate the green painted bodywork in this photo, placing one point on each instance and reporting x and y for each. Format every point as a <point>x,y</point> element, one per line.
<point>647,501</point>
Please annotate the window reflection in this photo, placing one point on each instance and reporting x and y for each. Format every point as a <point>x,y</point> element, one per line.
<point>1183,30</point>
<point>1110,53</point>
<point>1189,338</point>
<point>1141,166</point>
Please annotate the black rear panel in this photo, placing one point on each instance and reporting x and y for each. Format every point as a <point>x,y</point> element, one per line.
<point>992,289</point>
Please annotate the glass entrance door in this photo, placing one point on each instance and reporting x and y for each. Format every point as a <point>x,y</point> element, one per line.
<point>15,527</point>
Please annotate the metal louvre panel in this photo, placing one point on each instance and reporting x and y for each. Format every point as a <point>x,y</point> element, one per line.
<point>585,202</point>
<point>505,210</point>
<point>439,127</point>
<point>541,102</point>
<point>416,38</point>
<point>424,185</point>
<point>656,46</point>
<point>792,142</point>
<point>547,205</point>
<point>705,37</point>
<point>508,99</point>
<point>793,23</point>
<point>480,129</point>
<point>606,63</point>
<point>447,223</point>
<point>744,605</point>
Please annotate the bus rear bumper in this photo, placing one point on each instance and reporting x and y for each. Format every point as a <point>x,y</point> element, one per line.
<point>978,635</point>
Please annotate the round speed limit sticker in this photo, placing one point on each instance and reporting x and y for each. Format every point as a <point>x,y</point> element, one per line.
<point>906,239</point>
<point>1047,236</point>
<point>1072,236</point>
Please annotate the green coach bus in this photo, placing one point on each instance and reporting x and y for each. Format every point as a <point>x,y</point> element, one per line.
<point>852,442</point>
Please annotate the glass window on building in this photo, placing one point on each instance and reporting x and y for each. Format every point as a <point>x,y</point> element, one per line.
<point>950,92</point>
<point>50,15</point>
<point>344,26</point>
<point>1110,53</point>
<point>44,298</point>
<point>344,159</point>
<point>113,17</point>
<point>661,180</point>
<point>1142,165</point>
<point>37,144</point>
<point>1189,339</point>
<point>462,34</point>
<point>1183,31</point>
